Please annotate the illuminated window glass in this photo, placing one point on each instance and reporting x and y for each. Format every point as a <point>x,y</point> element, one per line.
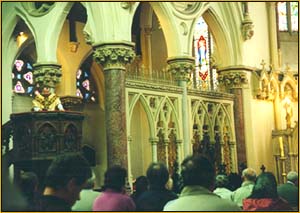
<point>204,78</point>
<point>22,76</point>
<point>287,16</point>
<point>294,15</point>
<point>84,84</point>
<point>282,16</point>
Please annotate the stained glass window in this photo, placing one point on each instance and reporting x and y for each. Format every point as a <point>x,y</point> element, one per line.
<point>202,48</point>
<point>294,15</point>
<point>287,16</point>
<point>22,77</point>
<point>85,85</point>
<point>282,16</point>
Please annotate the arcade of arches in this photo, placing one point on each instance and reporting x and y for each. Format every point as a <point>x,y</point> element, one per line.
<point>157,81</point>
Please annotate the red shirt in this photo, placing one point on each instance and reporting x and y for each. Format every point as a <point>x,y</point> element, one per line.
<point>265,204</point>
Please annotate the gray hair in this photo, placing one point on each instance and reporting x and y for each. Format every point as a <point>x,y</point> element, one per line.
<point>292,176</point>
<point>249,174</point>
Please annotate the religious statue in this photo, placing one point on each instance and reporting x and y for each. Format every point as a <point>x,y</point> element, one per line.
<point>46,101</point>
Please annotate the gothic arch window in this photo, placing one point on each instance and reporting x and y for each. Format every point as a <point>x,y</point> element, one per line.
<point>22,76</point>
<point>85,86</point>
<point>205,77</point>
<point>287,16</point>
<point>22,70</point>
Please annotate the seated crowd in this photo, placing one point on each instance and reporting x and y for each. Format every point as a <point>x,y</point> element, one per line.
<point>69,186</point>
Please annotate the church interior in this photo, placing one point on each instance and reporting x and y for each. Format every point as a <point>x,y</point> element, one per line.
<point>132,83</point>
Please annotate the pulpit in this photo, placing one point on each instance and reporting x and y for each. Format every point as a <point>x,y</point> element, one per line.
<point>38,137</point>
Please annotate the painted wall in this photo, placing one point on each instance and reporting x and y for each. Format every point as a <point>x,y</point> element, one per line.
<point>94,134</point>
<point>259,150</point>
<point>69,60</point>
<point>289,48</point>
<point>257,48</point>
<point>140,147</point>
<point>159,48</point>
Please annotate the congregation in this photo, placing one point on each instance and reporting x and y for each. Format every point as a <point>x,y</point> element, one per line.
<point>69,186</point>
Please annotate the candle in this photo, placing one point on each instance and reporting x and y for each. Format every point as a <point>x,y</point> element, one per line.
<point>281,147</point>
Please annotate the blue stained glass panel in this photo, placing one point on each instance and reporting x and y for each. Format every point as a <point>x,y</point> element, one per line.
<point>29,66</point>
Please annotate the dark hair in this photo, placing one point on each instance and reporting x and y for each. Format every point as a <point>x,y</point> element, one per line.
<point>141,184</point>
<point>197,170</point>
<point>66,167</point>
<point>114,178</point>
<point>221,181</point>
<point>28,184</point>
<point>158,175</point>
<point>265,186</point>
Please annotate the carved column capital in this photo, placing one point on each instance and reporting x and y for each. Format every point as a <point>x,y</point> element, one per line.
<point>46,74</point>
<point>114,55</point>
<point>234,77</point>
<point>181,67</point>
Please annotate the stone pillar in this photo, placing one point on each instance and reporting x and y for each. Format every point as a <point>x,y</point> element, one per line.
<point>181,67</point>
<point>154,142</point>
<point>148,53</point>
<point>113,56</point>
<point>130,177</point>
<point>233,79</point>
<point>166,146</point>
<point>271,7</point>
<point>233,154</point>
<point>179,151</point>
<point>46,74</point>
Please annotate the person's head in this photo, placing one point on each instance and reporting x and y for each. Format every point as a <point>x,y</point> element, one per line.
<point>197,170</point>
<point>292,176</point>
<point>141,184</point>
<point>265,186</point>
<point>67,175</point>
<point>114,178</point>
<point>249,174</point>
<point>221,181</point>
<point>28,184</point>
<point>235,181</point>
<point>158,175</point>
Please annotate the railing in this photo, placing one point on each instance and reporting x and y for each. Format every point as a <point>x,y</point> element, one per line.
<point>7,131</point>
<point>7,152</point>
<point>139,73</point>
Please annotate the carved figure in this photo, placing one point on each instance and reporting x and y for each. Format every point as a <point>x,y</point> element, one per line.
<point>46,101</point>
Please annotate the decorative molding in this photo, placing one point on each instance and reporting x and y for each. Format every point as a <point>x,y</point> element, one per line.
<point>114,55</point>
<point>247,27</point>
<point>153,86</point>
<point>233,79</point>
<point>47,74</point>
<point>73,103</point>
<point>181,67</point>
<point>37,11</point>
<point>74,46</point>
<point>126,4</point>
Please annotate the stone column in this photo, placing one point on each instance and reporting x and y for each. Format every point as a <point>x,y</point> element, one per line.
<point>181,67</point>
<point>46,74</point>
<point>113,56</point>
<point>233,154</point>
<point>130,177</point>
<point>271,7</point>
<point>154,142</point>
<point>166,146</point>
<point>148,59</point>
<point>179,151</point>
<point>233,79</point>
